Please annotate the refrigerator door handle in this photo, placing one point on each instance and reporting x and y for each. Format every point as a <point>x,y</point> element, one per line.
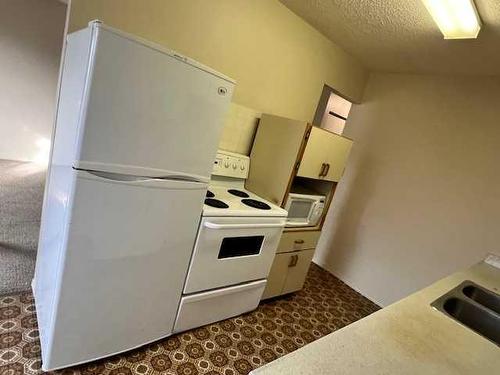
<point>174,181</point>
<point>181,178</point>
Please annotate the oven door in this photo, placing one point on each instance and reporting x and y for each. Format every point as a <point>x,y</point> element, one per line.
<point>231,250</point>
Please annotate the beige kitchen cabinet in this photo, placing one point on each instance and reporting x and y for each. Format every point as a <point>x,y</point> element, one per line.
<point>294,156</point>
<point>291,263</point>
<point>277,276</point>
<point>325,155</point>
<point>284,149</point>
<point>297,272</point>
<point>276,152</point>
<point>288,273</point>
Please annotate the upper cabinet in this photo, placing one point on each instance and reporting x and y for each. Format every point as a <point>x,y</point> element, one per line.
<point>275,155</point>
<point>287,150</point>
<point>325,155</point>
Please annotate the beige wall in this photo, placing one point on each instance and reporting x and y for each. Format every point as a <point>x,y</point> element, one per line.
<point>280,63</point>
<point>421,194</point>
<point>31,33</point>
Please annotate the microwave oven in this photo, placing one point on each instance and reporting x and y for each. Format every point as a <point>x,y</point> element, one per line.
<point>304,210</point>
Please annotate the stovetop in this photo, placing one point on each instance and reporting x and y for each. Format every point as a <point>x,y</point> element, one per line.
<point>235,201</point>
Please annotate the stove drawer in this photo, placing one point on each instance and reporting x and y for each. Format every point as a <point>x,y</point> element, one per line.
<point>208,307</point>
<point>230,251</point>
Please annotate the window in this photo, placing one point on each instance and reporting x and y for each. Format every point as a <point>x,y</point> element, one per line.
<point>240,246</point>
<point>332,111</point>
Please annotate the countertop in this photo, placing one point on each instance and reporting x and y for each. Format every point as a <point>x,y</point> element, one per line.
<point>407,337</point>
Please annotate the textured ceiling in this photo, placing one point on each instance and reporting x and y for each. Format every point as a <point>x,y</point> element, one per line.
<point>400,35</point>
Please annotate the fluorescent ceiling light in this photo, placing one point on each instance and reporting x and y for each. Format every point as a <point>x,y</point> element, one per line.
<point>457,19</point>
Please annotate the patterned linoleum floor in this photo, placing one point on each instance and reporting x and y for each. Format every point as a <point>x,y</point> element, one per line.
<point>231,347</point>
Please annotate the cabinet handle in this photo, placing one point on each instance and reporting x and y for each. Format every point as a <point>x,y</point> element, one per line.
<point>327,169</point>
<point>293,261</point>
<point>299,242</point>
<point>322,170</point>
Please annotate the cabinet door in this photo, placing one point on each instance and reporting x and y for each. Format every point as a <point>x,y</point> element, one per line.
<point>336,155</point>
<point>277,276</point>
<point>314,156</point>
<point>324,149</point>
<point>297,270</point>
<point>275,152</point>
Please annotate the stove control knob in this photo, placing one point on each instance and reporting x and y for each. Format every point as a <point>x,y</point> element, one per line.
<point>226,164</point>
<point>234,166</point>
<point>242,167</point>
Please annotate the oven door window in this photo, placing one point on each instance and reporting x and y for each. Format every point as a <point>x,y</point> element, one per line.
<point>300,209</point>
<point>240,246</point>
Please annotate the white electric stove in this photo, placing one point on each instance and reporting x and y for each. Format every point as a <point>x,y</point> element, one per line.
<point>237,239</point>
<point>226,195</point>
<point>236,201</point>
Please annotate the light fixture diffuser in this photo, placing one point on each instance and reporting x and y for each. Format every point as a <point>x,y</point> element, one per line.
<point>457,19</point>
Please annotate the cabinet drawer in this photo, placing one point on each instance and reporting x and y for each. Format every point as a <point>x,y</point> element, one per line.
<point>293,241</point>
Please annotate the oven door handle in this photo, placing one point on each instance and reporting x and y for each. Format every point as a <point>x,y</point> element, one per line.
<point>211,225</point>
<point>297,224</point>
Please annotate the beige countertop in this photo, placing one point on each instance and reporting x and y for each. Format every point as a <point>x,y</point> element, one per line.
<point>407,337</point>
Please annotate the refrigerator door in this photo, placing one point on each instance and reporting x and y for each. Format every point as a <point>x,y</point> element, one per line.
<point>147,112</point>
<point>129,243</point>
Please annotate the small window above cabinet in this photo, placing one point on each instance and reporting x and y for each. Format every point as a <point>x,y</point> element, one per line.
<point>332,111</point>
<point>325,155</point>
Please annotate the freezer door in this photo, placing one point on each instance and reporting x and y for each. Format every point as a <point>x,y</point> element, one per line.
<point>149,113</point>
<point>129,244</point>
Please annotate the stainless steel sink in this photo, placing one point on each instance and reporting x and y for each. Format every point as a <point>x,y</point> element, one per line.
<point>474,307</point>
<point>483,297</point>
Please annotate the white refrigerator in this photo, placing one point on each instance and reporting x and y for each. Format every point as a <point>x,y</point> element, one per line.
<point>136,134</point>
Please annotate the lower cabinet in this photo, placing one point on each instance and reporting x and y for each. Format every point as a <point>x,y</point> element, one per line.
<point>288,272</point>
<point>297,273</point>
<point>291,263</point>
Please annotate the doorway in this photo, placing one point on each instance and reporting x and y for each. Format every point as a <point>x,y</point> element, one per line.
<point>31,40</point>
